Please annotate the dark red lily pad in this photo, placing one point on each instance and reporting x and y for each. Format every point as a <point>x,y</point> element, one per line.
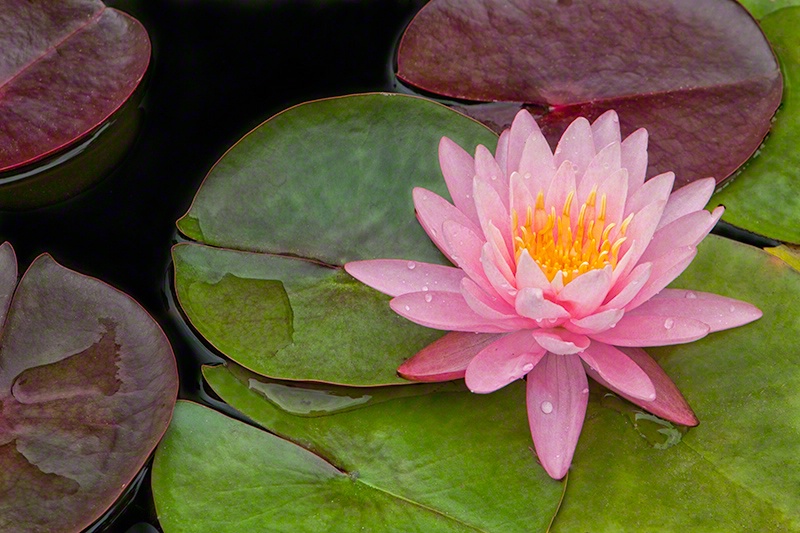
<point>698,74</point>
<point>87,386</point>
<point>65,67</point>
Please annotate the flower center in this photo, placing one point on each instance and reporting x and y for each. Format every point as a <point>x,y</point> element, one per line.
<point>559,245</point>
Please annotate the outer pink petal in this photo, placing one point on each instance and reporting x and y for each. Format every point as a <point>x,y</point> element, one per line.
<point>396,276</point>
<point>449,311</point>
<point>488,306</point>
<point>465,251</point>
<point>492,211</point>
<point>688,230</point>
<point>560,341</point>
<point>669,403</point>
<point>595,323</point>
<point>655,189</point>
<point>500,252</point>
<point>498,281</point>
<point>634,158</point>
<point>627,289</point>
<point>557,397</point>
<point>648,330</point>
<point>501,153</point>
<point>433,211</point>
<point>536,165</point>
<point>605,130</point>
<point>458,169</point>
<point>687,199</point>
<point>576,146</point>
<point>619,371</point>
<point>531,303</point>
<point>583,295</point>
<point>641,230</point>
<point>718,312</point>
<point>521,129</point>
<point>505,360</point>
<point>664,269</point>
<point>445,358</point>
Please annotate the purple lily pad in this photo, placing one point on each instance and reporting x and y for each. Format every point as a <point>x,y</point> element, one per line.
<point>698,74</point>
<point>88,382</point>
<point>65,68</point>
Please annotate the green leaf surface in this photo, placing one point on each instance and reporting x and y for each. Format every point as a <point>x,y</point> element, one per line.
<point>294,319</point>
<point>322,183</point>
<point>736,471</point>
<point>765,197</point>
<point>761,8</point>
<point>400,464</point>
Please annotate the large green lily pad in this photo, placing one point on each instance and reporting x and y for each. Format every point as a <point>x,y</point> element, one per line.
<point>765,197</point>
<point>320,184</point>
<point>87,386</point>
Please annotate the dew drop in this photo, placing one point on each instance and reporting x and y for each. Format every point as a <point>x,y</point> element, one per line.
<point>424,288</point>
<point>433,232</point>
<point>668,323</point>
<point>428,297</point>
<point>494,178</point>
<point>527,367</point>
<point>412,265</point>
<point>585,391</point>
<point>732,309</point>
<point>691,295</point>
<point>558,150</point>
<point>527,175</point>
<point>547,407</point>
<point>408,308</point>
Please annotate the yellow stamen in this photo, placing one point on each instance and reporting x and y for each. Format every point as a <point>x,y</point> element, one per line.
<point>558,245</point>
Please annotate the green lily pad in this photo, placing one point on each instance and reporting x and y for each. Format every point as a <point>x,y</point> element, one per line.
<point>322,183</point>
<point>736,471</point>
<point>765,197</point>
<point>788,253</point>
<point>399,461</point>
<point>87,386</point>
<point>761,8</point>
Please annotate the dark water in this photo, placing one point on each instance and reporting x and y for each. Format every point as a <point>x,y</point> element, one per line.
<point>219,68</point>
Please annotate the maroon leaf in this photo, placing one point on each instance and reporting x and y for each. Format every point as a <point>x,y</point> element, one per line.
<point>87,386</point>
<point>65,67</point>
<point>698,74</point>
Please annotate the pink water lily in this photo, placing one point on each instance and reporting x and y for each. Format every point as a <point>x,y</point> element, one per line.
<point>562,260</point>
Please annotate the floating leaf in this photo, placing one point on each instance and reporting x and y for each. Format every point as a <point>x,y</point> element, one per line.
<point>765,197</point>
<point>74,63</point>
<point>322,183</point>
<point>736,471</point>
<point>87,386</point>
<point>699,75</point>
<point>789,253</point>
<point>397,463</point>
<point>761,8</point>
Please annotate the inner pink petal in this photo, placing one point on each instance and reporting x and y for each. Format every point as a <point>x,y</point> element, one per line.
<point>605,163</point>
<point>536,165</point>
<point>562,185</point>
<point>584,294</point>
<point>433,211</point>
<point>605,130</point>
<point>634,158</point>
<point>687,199</point>
<point>529,274</point>
<point>560,341</point>
<point>396,276</point>
<point>505,360</point>
<point>488,171</point>
<point>655,189</point>
<point>576,145</point>
<point>595,323</point>
<point>619,371</point>
<point>557,396</point>
<point>521,129</point>
<point>458,169</point>
<point>486,305</point>
<point>492,211</point>
<point>465,251</point>
<point>688,230</point>
<point>663,270</point>
<point>446,358</point>
<point>530,303</point>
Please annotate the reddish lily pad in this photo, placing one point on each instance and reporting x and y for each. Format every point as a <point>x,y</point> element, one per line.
<point>74,63</point>
<point>87,386</point>
<point>698,74</point>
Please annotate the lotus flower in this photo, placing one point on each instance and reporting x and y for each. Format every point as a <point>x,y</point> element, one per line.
<point>562,260</point>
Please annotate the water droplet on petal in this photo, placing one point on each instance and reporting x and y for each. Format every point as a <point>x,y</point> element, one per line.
<point>527,367</point>
<point>433,232</point>
<point>585,391</point>
<point>494,178</point>
<point>547,407</point>
<point>668,323</point>
<point>412,265</point>
<point>732,309</point>
<point>558,150</point>
<point>691,295</point>
<point>424,288</point>
<point>428,297</point>
<point>408,308</point>
<point>527,175</point>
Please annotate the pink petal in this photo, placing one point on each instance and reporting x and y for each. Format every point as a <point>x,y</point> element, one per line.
<point>396,276</point>
<point>560,341</point>
<point>615,189</point>
<point>664,269</point>
<point>634,158</point>
<point>650,330</point>
<point>499,251</point>
<point>557,397</point>
<point>655,189</point>
<point>605,130</point>
<point>563,183</point>
<point>531,303</point>
<point>445,358</point>
<point>433,211</point>
<point>497,280</point>
<point>521,195</point>
<point>689,198</point>
<point>576,146</point>
<point>505,360</point>
<point>521,129</point>
<point>595,323</point>
<point>488,171</point>
<point>627,289</point>
<point>688,230</point>
<point>718,312</point>
<point>641,229</point>
<point>619,371</point>
<point>536,164</point>
<point>492,211</point>
<point>669,403</point>
<point>605,163</point>
<point>449,311</point>
<point>465,251</point>
<point>488,306</point>
<point>501,153</point>
<point>458,169</point>
<point>529,274</point>
<point>584,294</point>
